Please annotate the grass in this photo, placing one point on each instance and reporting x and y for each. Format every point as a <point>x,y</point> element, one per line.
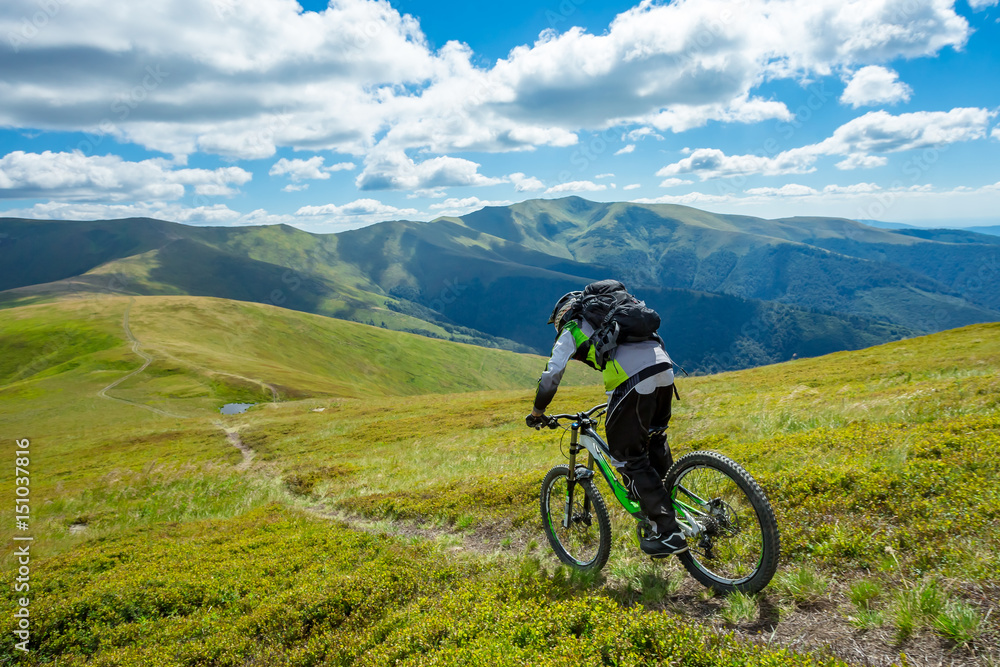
<point>863,456</point>
<point>802,584</point>
<point>740,608</point>
<point>960,622</point>
<point>916,606</point>
<point>864,592</point>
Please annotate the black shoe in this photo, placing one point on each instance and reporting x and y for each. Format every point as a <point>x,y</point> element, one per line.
<point>664,545</point>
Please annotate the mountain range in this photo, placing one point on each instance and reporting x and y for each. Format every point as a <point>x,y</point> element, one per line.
<point>733,291</point>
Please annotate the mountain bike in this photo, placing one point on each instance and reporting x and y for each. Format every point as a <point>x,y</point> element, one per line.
<point>733,540</point>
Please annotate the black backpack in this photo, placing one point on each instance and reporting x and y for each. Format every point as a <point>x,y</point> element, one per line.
<point>617,317</point>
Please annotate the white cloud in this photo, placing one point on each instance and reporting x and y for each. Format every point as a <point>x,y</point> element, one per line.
<point>641,133</point>
<point>299,170</point>
<point>292,187</point>
<point>632,186</point>
<point>875,85</point>
<point>787,190</point>
<point>605,176</point>
<point>797,190</point>
<point>393,170</point>
<point>689,199</point>
<point>982,4</point>
<point>524,183</point>
<point>861,161</point>
<point>674,182</point>
<point>882,132</point>
<point>358,213</point>
<point>874,132</point>
<point>857,201</point>
<point>456,207</point>
<point>995,133</point>
<point>217,214</point>
<point>576,186</point>
<point>625,149</point>
<point>243,79</point>
<point>709,163</point>
<point>75,176</point>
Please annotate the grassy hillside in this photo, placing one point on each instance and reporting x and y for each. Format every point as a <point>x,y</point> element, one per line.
<point>397,529</point>
<point>759,291</point>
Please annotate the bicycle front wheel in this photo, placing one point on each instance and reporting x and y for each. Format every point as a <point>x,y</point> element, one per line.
<point>581,536</point>
<point>738,547</point>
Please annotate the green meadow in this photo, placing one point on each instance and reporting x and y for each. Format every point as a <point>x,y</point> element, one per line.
<point>379,503</point>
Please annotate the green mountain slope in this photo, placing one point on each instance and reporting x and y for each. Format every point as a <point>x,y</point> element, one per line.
<point>208,351</point>
<point>815,263</point>
<point>735,291</point>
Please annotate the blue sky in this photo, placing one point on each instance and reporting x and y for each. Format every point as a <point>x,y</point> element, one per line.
<point>330,117</point>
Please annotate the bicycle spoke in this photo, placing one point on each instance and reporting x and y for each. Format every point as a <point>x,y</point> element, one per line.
<point>732,543</point>
<point>581,539</point>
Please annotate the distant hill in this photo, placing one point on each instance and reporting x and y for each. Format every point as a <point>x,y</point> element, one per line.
<point>208,351</point>
<point>992,230</point>
<point>735,291</point>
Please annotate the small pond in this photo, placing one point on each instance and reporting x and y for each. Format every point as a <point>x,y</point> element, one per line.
<point>235,408</point>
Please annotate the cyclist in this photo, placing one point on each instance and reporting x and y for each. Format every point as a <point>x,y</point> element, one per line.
<point>640,384</point>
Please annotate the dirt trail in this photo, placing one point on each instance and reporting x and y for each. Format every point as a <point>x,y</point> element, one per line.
<point>147,360</point>
<point>233,435</point>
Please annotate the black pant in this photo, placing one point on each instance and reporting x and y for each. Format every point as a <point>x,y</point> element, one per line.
<point>647,458</point>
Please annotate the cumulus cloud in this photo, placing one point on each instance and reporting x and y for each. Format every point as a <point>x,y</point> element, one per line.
<point>75,176</point>
<point>299,170</point>
<point>524,183</point>
<point>882,132</point>
<point>982,4</point>
<point>709,163</point>
<point>632,186</point>
<point>393,170</point>
<point>625,149</point>
<point>576,186</point>
<point>217,214</point>
<point>456,206</point>
<point>797,190</point>
<point>674,182</point>
<point>243,79</point>
<point>861,161</point>
<point>874,132</point>
<point>361,209</point>
<point>875,85</point>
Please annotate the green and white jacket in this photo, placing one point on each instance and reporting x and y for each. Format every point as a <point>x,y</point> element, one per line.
<point>630,360</point>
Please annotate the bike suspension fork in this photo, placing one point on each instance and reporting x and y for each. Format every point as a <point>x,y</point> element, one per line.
<point>574,448</point>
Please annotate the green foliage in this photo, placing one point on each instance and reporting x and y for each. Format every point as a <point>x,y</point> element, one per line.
<point>916,606</point>
<point>274,587</point>
<point>864,592</point>
<point>802,584</point>
<point>959,622</point>
<point>740,608</point>
<point>867,619</point>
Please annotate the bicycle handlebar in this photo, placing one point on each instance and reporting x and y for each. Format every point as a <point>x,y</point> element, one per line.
<point>578,415</point>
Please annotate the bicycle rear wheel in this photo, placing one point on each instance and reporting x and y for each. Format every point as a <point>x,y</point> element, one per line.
<point>739,545</point>
<point>583,539</point>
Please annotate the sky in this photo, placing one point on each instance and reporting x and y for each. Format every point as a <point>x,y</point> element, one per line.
<point>334,116</point>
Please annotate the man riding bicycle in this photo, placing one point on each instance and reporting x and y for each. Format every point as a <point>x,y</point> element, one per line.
<point>639,380</point>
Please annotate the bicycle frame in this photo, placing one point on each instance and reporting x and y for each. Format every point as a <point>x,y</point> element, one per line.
<point>584,436</point>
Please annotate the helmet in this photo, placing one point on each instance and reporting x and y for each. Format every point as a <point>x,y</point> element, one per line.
<point>563,306</point>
